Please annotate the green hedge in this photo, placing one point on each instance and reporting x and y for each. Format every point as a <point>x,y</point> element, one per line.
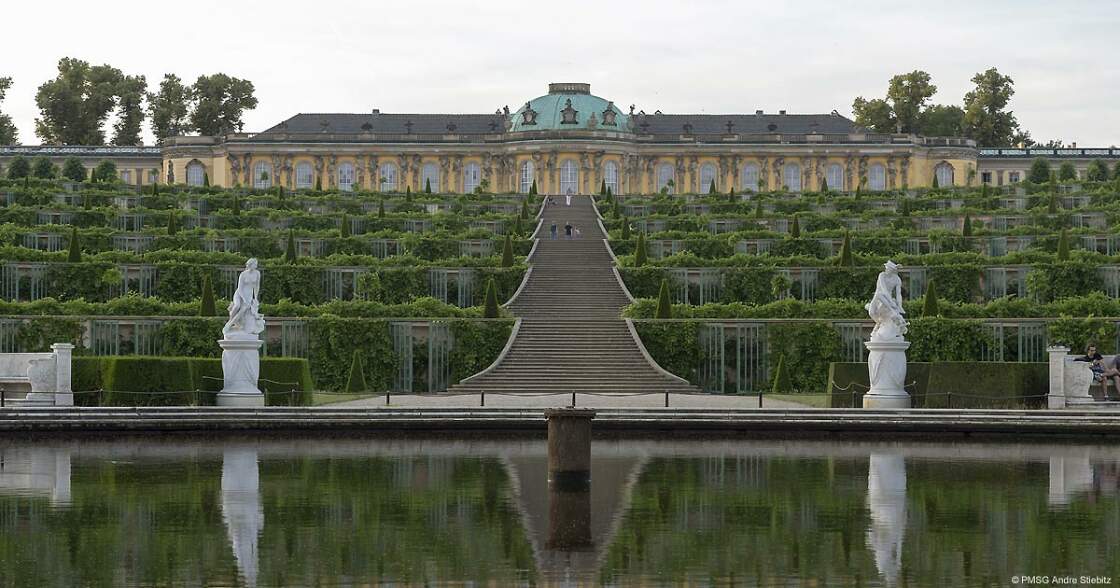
<point>181,381</point>
<point>950,384</point>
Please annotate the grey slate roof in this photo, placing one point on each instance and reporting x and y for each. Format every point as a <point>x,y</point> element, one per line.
<point>658,124</point>
<point>425,124</point>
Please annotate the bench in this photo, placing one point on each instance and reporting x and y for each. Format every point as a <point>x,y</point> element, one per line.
<point>37,379</point>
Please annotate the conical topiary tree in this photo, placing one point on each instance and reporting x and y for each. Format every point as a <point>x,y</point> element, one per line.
<point>507,251</point>
<point>712,187</point>
<point>930,305</point>
<point>966,228</point>
<point>934,185</point>
<point>408,193</point>
<point>427,185</point>
<point>236,206</point>
<point>172,224</point>
<point>616,210</point>
<point>603,187</point>
<point>381,209</point>
<point>318,183</point>
<point>731,194</point>
<point>781,377</point>
<point>533,188</point>
<point>758,208</point>
<point>1052,203</point>
<point>206,306</point>
<point>518,226</point>
<point>795,229</point>
<point>490,301</point>
<point>205,180</point>
<point>846,259</point>
<point>824,184</point>
<point>356,380</point>
<point>625,231</point>
<point>664,305</point>
<point>640,251</point>
<point>525,209</point>
<point>290,252</point>
<point>1063,246</point>
<point>344,227</point>
<point>75,254</point>
<point>610,194</point>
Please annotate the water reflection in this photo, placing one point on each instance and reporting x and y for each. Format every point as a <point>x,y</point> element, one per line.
<point>886,499</point>
<point>241,508</point>
<point>359,511</point>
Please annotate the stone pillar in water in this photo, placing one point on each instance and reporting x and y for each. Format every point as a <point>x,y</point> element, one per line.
<point>569,479</point>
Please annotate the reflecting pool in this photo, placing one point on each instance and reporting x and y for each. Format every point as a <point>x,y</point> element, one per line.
<point>357,511</point>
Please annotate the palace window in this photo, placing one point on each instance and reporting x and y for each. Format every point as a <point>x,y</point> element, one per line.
<point>877,178</point>
<point>944,174</point>
<point>388,177</point>
<point>707,176</point>
<point>986,177</point>
<point>610,176</point>
<point>304,179</point>
<point>196,174</point>
<point>664,177</point>
<point>791,177</point>
<point>429,175</point>
<point>126,176</point>
<point>1012,177</point>
<point>262,175</point>
<point>569,177</point>
<point>346,177</point>
<point>526,177</point>
<point>835,177</point>
<point>749,177</point>
<point>472,176</point>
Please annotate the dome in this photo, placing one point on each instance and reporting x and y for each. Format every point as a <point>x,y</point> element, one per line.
<point>569,107</point>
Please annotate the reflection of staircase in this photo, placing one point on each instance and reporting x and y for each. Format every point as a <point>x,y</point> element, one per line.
<point>571,338</point>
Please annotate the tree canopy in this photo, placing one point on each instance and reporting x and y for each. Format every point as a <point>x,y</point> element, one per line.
<point>74,105</point>
<point>8,131</point>
<point>220,101</point>
<point>169,108</point>
<point>986,118</point>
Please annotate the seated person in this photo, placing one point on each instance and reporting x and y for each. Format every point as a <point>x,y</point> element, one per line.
<point>1100,371</point>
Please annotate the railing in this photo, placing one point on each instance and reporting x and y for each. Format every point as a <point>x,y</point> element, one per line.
<point>1050,152</point>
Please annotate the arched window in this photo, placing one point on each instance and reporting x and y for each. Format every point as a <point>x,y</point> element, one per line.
<point>346,177</point>
<point>472,176</point>
<point>196,174</point>
<point>835,177</point>
<point>262,175</point>
<point>429,175</point>
<point>569,177</point>
<point>610,176</point>
<point>526,176</point>
<point>664,176</point>
<point>304,177</point>
<point>791,177</point>
<point>388,174</point>
<point>877,178</point>
<point>707,176</point>
<point>749,177</point>
<point>944,174</point>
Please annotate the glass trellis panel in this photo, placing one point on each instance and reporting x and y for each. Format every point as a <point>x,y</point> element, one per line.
<point>1110,275</point>
<point>916,278</point>
<point>382,248</point>
<point>402,347</point>
<point>141,279</point>
<point>439,355</point>
<point>146,338</point>
<point>105,337</point>
<point>751,362</point>
<point>852,337</point>
<point>42,241</point>
<point>437,283</point>
<point>995,282</point>
<point>678,285</point>
<point>341,283</point>
<point>9,331</point>
<point>417,226</point>
<point>711,372</point>
<point>710,285</point>
<point>997,246</point>
<point>293,339</point>
<point>1033,340</point>
<point>129,222</point>
<point>227,281</point>
<point>993,348</point>
<point>809,278</point>
<point>464,282</point>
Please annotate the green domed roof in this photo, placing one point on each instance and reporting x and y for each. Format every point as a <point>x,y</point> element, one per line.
<point>569,102</point>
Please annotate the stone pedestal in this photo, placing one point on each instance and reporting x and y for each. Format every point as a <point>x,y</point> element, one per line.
<point>886,366</point>
<point>569,446</point>
<point>241,368</point>
<point>64,392</point>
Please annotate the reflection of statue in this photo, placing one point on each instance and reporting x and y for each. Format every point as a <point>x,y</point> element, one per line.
<point>886,499</point>
<point>245,319</point>
<point>241,508</point>
<point>885,307</point>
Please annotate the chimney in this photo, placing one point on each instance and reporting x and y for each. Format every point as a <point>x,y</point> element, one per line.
<point>376,111</point>
<point>758,113</point>
<point>782,112</point>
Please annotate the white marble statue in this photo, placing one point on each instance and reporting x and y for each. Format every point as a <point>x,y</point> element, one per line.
<point>885,307</point>
<point>886,358</point>
<point>245,320</point>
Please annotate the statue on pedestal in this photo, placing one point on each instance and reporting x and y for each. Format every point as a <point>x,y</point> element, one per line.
<point>241,342</point>
<point>886,358</point>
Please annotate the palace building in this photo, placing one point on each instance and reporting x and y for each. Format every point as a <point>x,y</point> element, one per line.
<point>569,140</point>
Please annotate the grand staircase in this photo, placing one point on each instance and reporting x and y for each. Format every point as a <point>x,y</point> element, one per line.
<point>571,337</point>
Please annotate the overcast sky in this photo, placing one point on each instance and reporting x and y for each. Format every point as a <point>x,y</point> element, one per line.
<point>689,56</point>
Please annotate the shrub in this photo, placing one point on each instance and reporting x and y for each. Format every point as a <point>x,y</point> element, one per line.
<point>356,380</point>
<point>106,171</point>
<point>73,170</point>
<point>781,377</point>
<point>1067,172</point>
<point>507,252</point>
<point>42,168</point>
<point>640,251</point>
<point>75,253</point>
<point>929,302</point>
<point>491,309</point>
<point>206,305</point>
<point>18,168</point>
<point>664,306</point>
<point>1040,171</point>
<point>290,254</point>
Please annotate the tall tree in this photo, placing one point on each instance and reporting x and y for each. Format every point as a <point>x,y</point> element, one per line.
<point>8,131</point>
<point>907,95</point>
<point>220,102</point>
<point>941,120</point>
<point>74,105</point>
<point>169,108</point>
<point>73,170</point>
<point>875,114</point>
<point>130,110</point>
<point>986,118</point>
